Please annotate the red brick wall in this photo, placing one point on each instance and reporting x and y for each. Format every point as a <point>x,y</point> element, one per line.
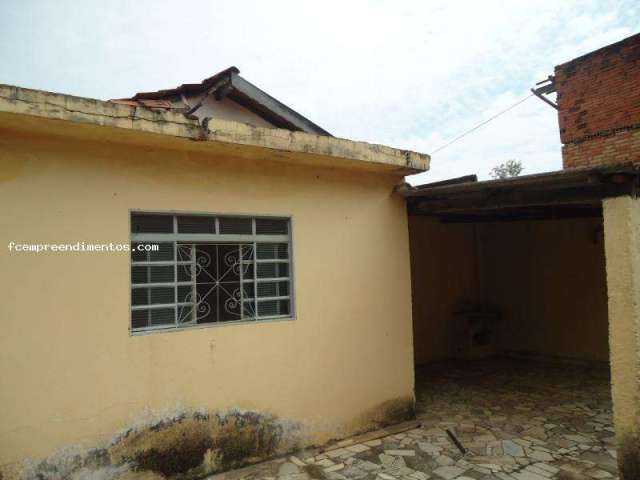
<point>619,147</point>
<point>599,100</point>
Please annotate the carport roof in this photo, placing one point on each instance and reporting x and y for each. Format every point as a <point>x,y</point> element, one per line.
<point>571,193</point>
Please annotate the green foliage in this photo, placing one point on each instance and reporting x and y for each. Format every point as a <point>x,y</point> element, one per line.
<point>508,169</point>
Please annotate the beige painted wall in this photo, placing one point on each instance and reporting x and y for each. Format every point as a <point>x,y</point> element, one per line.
<point>227,109</point>
<point>70,373</point>
<point>443,273</point>
<point>547,277</point>
<point>622,237</point>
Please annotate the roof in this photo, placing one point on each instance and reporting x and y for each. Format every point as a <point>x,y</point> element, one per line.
<point>571,193</point>
<point>228,83</point>
<point>86,119</point>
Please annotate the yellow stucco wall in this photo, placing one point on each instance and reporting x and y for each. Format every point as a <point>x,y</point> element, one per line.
<point>443,272</point>
<point>227,109</point>
<point>622,238</point>
<point>70,373</point>
<point>547,277</point>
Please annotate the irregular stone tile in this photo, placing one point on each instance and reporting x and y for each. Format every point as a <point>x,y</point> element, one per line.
<point>448,472</point>
<point>344,443</point>
<point>504,476</point>
<point>358,448</point>
<point>385,459</point>
<point>396,467</point>
<point>335,476</point>
<point>540,456</point>
<point>373,443</point>
<point>597,473</point>
<point>404,471</point>
<point>420,476</point>
<point>538,471</point>
<point>485,438</point>
<point>507,403</point>
<point>577,438</point>
<point>429,448</point>
<point>338,452</point>
<point>295,460</point>
<point>385,476</point>
<point>499,460</point>
<point>537,441</point>
<point>288,469</point>
<point>524,475</point>
<point>512,449</point>
<point>400,453</point>
<point>546,467</point>
<point>368,466</point>
<point>334,468</point>
<point>522,442</point>
<point>295,476</point>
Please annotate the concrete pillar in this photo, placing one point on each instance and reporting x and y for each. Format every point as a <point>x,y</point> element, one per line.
<point>622,249</point>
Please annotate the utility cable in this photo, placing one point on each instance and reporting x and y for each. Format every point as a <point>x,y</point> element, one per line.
<point>462,135</point>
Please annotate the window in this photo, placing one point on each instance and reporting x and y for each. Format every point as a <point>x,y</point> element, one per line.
<point>208,269</point>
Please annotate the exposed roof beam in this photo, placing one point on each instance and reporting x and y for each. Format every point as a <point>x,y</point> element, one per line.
<point>555,213</point>
<point>568,191</point>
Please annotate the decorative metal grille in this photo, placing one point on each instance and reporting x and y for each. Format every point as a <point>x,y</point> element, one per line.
<point>199,277</point>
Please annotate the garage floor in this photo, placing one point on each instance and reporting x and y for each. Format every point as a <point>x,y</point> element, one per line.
<point>517,421</point>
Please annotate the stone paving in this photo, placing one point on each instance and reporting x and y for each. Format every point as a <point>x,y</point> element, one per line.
<point>516,421</point>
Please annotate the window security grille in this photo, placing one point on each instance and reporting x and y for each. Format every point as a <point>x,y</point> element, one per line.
<point>208,269</point>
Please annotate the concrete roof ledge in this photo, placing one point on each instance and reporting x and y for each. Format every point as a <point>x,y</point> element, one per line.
<point>18,103</point>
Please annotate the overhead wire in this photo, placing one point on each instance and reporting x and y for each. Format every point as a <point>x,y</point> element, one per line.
<point>471,130</point>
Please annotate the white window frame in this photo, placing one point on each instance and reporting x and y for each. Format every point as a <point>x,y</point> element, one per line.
<point>176,238</point>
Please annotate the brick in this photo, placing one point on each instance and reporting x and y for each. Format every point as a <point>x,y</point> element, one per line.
<point>599,105</point>
<point>620,147</point>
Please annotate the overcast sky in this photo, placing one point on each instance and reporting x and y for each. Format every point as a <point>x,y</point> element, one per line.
<point>410,74</point>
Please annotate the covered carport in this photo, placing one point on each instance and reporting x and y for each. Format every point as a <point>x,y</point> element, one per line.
<point>516,333</point>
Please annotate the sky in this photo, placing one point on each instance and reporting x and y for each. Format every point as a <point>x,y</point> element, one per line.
<point>409,74</point>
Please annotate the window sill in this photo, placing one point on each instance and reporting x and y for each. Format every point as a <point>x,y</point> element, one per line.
<point>173,328</point>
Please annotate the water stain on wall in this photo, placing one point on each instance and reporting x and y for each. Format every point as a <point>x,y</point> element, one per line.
<point>188,445</point>
<point>182,446</point>
<point>391,411</point>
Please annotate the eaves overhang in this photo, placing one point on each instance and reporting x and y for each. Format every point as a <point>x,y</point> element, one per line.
<point>89,119</point>
<point>228,83</point>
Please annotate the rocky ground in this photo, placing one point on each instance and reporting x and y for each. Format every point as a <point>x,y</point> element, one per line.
<point>515,421</point>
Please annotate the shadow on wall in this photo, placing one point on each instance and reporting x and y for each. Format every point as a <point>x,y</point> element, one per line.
<point>629,456</point>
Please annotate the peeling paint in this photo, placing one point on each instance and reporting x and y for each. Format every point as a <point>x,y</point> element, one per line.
<point>84,111</point>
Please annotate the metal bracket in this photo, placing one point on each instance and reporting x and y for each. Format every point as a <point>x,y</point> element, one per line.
<point>547,86</point>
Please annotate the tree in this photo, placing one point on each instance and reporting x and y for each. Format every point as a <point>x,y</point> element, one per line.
<point>508,169</point>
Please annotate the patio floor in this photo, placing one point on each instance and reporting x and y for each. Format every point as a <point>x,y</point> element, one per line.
<point>517,421</point>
